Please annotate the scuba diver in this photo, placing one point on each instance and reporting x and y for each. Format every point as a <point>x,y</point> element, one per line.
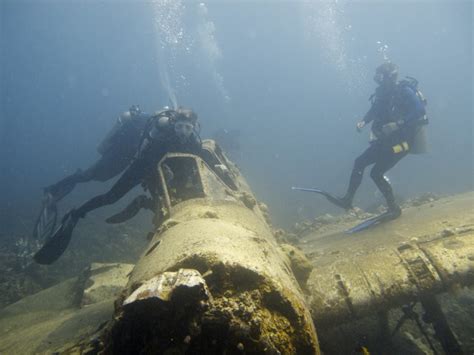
<point>166,131</point>
<point>397,113</point>
<point>398,116</point>
<point>116,153</point>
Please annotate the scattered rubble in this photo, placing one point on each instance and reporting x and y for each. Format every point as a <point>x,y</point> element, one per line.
<point>422,199</point>
<point>328,221</point>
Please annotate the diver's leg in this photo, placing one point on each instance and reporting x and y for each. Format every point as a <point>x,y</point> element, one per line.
<point>131,178</point>
<point>63,187</point>
<point>367,158</point>
<point>98,171</point>
<point>108,166</point>
<point>384,164</point>
<point>46,221</point>
<point>139,202</point>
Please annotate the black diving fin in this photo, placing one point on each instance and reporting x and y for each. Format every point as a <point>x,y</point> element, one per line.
<point>46,222</point>
<point>131,210</point>
<point>331,198</point>
<point>58,242</point>
<point>374,221</point>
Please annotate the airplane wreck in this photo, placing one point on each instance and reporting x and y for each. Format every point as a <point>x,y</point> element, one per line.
<point>216,279</point>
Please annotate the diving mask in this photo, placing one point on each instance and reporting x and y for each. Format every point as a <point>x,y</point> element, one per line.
<point>183,129</point>
<point>379,78</point>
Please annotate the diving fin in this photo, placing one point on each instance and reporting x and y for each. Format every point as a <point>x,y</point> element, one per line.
<point>58,242</point>
<point>131,210</point>
<point>46,221</point>
<point>62,188</point>
<point>340,202</point>
<point>308,189</point>
<point>374,221</point>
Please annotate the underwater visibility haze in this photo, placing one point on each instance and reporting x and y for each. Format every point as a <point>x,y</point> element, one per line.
<point>292,77</point>
<point>280,85</point>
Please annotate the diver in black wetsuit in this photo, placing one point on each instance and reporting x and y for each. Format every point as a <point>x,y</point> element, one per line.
<point>117,151</point>
<point>167,131</point>
<point>397,113</point>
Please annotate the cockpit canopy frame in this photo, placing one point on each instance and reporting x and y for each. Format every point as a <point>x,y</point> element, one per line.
<point>185,176</point>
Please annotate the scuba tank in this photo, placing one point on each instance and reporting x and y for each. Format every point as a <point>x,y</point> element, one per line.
<point>413,84</point>
<point>128,126</point>
<point>420,141</point>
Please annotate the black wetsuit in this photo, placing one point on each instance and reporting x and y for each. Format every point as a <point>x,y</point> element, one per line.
<point>117,151</point>
<point>389,104</point>
<point>144,168</point>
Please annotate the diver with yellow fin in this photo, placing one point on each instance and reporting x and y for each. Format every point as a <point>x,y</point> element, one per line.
<point>398,116</point>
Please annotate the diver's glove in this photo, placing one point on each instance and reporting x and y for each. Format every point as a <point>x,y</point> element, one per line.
<point>360,125</point>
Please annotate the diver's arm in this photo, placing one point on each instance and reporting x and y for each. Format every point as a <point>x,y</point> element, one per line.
<point>155,130</point>
<point>369,116</point>
<point>148,132</point>
<point>378,106</point>
<point>196,143</point>
<point>360,125</point>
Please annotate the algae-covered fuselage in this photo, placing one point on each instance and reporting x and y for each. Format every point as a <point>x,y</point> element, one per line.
<point>213,278</point>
